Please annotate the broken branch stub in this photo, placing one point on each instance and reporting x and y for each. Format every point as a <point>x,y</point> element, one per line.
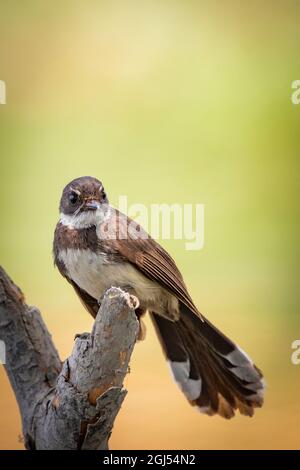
<point>73,406</point>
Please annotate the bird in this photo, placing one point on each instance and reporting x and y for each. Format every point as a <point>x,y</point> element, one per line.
<point>96,246</point>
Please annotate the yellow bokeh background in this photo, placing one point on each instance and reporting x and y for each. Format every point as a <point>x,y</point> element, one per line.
<point>174,102</point>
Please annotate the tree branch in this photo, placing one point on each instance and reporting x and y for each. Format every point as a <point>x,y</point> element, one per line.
<point>74,405</point>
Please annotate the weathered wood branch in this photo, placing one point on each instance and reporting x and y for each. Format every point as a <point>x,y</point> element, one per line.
<point>71,405</point>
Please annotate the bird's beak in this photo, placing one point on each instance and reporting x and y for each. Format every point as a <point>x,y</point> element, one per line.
<point>91,205</point>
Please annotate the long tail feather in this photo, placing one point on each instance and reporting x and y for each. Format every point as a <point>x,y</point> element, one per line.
<point>215,375</point>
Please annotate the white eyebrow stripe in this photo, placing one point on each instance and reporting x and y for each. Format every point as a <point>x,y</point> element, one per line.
<point>75,191</point>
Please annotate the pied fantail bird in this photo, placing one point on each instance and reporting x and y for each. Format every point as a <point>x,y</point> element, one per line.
<point>96,247</point>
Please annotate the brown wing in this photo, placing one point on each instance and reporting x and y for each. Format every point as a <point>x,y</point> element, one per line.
<point>137,247</point>
<point>87,300</point>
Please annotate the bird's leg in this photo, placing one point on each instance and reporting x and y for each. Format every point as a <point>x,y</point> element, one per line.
<point>140,312</point>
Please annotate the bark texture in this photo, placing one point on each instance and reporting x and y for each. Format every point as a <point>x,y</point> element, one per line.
<point>71,405</point>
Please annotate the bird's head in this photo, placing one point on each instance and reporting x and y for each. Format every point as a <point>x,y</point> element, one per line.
<point>83,203</point>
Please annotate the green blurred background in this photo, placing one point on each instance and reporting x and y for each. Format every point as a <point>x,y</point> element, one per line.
<point>164,101</point>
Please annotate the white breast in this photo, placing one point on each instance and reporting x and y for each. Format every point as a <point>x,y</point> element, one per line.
<point>94,273</point>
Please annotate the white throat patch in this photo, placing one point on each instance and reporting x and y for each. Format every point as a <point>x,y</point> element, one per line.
<point>85,219</point>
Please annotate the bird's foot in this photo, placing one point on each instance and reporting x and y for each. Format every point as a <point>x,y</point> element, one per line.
<point>82,336</point>
<point>133,302</point>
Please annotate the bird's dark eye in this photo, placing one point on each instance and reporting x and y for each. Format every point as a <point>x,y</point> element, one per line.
<point>104,195</point>
<point>73,197</point>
